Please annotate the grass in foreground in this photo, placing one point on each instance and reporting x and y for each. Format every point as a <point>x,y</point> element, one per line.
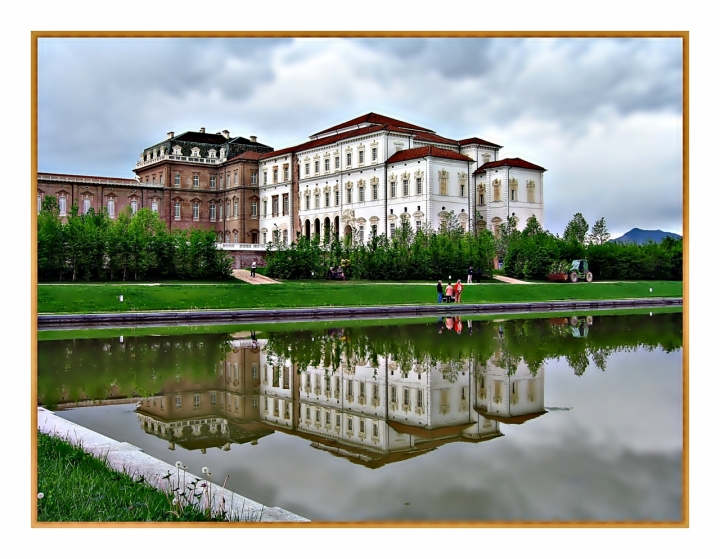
<point>71,298</point>
<point>74,486</point>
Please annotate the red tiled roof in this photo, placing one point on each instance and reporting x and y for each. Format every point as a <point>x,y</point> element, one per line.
<point>474,140</point>
<point>251,155</point>
<point>511,162</point>
<point>425,137</point>
<point>373,118</point>
<point>426,151</point>
<point>323,141</point>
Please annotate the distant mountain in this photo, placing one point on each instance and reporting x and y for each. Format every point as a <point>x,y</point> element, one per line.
<point>640,236</point>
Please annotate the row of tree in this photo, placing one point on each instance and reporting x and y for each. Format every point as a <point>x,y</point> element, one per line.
<point>93,247</point>
<point>409,254</point>
<point>533,252</point>
<point>430,255</point>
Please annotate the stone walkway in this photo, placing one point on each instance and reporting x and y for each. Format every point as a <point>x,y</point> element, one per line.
<point>244,275</point>
<point>509,280</point>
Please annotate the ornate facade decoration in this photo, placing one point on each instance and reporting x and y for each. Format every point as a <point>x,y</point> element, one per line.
<point>443,175</point>
<point>374,220</point>
<point>348,215</point>
<point>496,190</point>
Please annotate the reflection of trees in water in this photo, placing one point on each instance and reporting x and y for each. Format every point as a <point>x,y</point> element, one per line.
<point>143,366</point>
<point>532,341</point>
<point>73,370</point>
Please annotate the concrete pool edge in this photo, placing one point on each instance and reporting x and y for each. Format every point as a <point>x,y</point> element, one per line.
<point>184,317</point>
<point>125,457</point>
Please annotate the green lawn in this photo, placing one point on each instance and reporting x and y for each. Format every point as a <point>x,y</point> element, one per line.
<point>74,486</point>
<point>88,298</point>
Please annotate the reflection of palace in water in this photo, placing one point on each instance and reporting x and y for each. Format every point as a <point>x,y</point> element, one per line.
<point>371,415</point>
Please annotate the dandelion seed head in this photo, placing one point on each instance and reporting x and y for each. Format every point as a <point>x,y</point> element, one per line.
<point>178,464</point>
<point>41,495</point>
<point>174,501</point>
<point>205,470</point>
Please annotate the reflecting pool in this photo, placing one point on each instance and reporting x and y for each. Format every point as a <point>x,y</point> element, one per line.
<point>452,418</point>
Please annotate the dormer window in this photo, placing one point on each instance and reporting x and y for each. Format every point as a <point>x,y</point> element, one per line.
<point>212,154</point>
<point>195,152</point>
<point>222,153</point>
<point>177,150</point>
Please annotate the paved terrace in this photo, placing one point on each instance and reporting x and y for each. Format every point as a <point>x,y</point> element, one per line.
<point>54,321</point>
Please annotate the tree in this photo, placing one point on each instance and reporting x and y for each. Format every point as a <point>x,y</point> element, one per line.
<point>577,229</point>
<point>599,234</point>
<point>533,227</point>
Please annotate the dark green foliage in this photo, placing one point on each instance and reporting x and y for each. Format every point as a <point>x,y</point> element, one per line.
<point>93,247</point>
<point>408,255</point>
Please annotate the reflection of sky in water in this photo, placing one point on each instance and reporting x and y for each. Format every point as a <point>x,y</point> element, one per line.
<point>616,455</point>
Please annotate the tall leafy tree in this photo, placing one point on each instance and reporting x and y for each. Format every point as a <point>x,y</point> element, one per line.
<point>577,229</point>
<point>599,233</point>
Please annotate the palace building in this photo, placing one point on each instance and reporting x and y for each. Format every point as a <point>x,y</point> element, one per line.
<point>361,177</point>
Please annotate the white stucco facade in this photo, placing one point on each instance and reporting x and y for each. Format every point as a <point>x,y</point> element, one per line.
<point>363,176</point>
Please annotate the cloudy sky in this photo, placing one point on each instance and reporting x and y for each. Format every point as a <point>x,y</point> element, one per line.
<point>604,116</point>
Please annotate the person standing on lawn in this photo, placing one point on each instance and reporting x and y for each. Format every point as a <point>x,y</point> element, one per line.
<point>450,292</point>
<point>440,291</point>
<point>253,267</point>
<point>470,274</point>
<point>458,290</point>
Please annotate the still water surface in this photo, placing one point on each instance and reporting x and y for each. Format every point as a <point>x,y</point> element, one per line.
<point>444,419</point>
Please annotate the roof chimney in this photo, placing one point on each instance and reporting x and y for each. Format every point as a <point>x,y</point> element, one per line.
<point>202,130</point>
<point>226,134</point>
<point>253,138</point>
<point>171,135</point>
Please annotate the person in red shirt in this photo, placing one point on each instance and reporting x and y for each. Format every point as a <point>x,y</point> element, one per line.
<point>458,324</point>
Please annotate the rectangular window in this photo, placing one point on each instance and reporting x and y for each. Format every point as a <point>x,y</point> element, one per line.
<point>111,208</point>
<point>196,400</point>
<point>392,230</point>
<point>327,418</point>
<point>177,210</point>
<point>376,431</point>
<point>375,191</point>
<point>327,164</point>
<point>348,156</point>
<point>349,388</point>
<point>196,181</point>
<point>253,208</point>
<point>178,401</point>
<point>393,394</point>
<point>307,169</point>
<point>361,233</point>
<point>317,200</point>
<point>307,202</point>
<point>275,175</point>
<point>337,162</point>
<point>264,208</point>
<point>275,206</point>
<point>212,212</point>
<point>350,425</point>
<point>161,179</point>
<point>418,186</point>
<point>513,193</point>
<point>418,225</point>
<point>482,199</point>
<point>220,209</point>
<point>212,183</point>
<point>254,178</point>
<point>235,208</point>
<point>406,187</point>
<point>264,238</point>
<point>361,193</point>
<point>39,198</point>
<point>462,189</point>
<point>406,396</point>
<point>286,204</point>
<point>337,197</point>
<point>285,236</point>
<point>255,402</point>
<point>361,157</point>
<point>235,178</point>
<point>177,179</point>
<point>235,237</point>
<point>362,426</point>
<point>393,190</point>
<point>373,230</point>
<point>62,201</point>
<point>317,166</point>
<point>419,400</point>
<point>133,206</point>
<point>264,177</point>
<point>287,174</point>
<point>317,416</point>
<point>349,195</point>
<point>86,205</point>
<point>337,421</point>
<point>374,154</point>
<point>196,211</point>
<point>327,199</point>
